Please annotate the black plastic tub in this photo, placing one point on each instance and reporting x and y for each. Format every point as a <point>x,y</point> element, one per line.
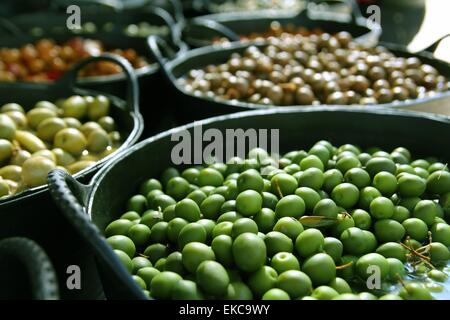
<point>200,31</point>
<point>91,207</point>
<point>193,107</point>
<point>31,213</point>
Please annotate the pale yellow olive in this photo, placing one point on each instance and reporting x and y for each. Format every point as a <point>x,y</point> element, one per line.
<point>7,127</point>
<point>79,165</point>
<point>114,136</point>
<point>29,141</point>
<point>46,154</point>
<point>19,118</point>
<point>36,116</point>
<point>6,150</point>
<point>98,107</point>
<point>72,122</point>
<point>107,152</point>
<point>35,171</point>
<point>98,141</point>
<point>48,128</point>
<point>12,107</point>
<point>63,158</point>
<point>107,123</point>
<point>11,172</point>
<point>75,106</point>
<point>62,168</point>
<point>71,140</point>
<point>13,186</point>
<point>4,188</point>
<point>88,127</point>
<point>47,105</point>
<point>86,156</point>
<point>19,157</point>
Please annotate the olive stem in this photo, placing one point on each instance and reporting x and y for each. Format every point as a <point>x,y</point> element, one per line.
<point>344,266</point>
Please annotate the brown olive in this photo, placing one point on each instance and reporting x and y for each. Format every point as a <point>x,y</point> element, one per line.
<point>412,62</point>
<point>368,100</point>
<point>381,84</point>
<point>352,97</point>
<point>275,93</point>
<point>360,84</point>
<point>415,74</point>
<point>426,68</point>
<point>400,93</point>
<point>344,38</point>
<point>330,87</point>
<point>304,96</point>
<point>384,95</point>
<point>429,81</point>
<point>277,77</point>
<point>337,98</point>
<point>376,73</point>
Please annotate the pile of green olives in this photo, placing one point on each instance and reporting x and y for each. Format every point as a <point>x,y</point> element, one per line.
<point>312,224</point>
<point>315,69</point>
<point>71,134</point>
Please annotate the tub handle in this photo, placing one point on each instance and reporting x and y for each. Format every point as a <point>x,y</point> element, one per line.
<point>70,196</point>
<point>69,78</point>
<point>43,279</point>
<point>177,8</point>
<point>432,48</point>
<point>175,31</point>
<point>217,27</point>
<point>155,43</point>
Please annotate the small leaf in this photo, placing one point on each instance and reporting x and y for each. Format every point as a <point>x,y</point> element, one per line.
<point>317,221</point>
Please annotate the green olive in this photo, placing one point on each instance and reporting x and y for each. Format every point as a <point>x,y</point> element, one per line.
<point>107,123</point>
<point>75,107</point>
<point>88,127</point>
<point>72,122</point>
<point>79,165</point>
<point>11,172</point>
<point>19,118</point>
<point>19,157</point>
<point>48,128</point>
<point>7,127</point>
<point>98,141</point>
<point>36,116</point>
<point>6,150</point>
<point>98,107</point>
<point>46,154</point>
<point>35,171</point>
<point>11,107</point>
<point>71,140</point>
